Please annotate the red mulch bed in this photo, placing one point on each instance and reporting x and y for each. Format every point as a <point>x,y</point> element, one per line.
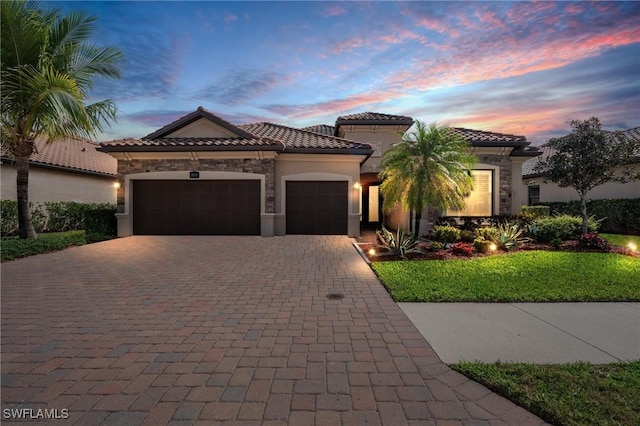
<point>447,254</point>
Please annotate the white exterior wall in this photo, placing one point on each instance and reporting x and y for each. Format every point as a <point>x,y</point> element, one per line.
<point>47,185</point>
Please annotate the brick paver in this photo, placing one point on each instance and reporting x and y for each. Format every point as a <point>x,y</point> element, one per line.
<point>156,330</point>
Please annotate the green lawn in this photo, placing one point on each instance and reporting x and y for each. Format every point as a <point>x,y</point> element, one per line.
<point>622,240</point>
<point>566,394</point>
<point>527,276</point>
<point>14,248</point>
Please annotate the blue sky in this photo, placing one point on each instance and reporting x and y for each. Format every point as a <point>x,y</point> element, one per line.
<point>515,67</point>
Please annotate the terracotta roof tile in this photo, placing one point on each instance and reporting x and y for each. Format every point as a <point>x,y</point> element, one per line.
<point>301,140</point>
<point>323,129</point>
<point>374,118</point>
<point>178,144</point>
<point>74,155</point>
<point>482,138</point>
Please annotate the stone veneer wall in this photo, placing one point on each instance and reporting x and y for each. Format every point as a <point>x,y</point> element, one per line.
<point>265,167</point>
<point>505,184</point>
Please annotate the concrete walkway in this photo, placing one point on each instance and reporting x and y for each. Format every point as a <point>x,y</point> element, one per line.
<point>543,333</point>
<point>223,330</point>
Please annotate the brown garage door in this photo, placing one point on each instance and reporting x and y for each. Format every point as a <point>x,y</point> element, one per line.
<point>317,207</point>
<point>202,207</point>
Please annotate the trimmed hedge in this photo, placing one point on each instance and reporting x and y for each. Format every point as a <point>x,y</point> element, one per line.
<point>100,224</point>
<point>14,248</point>
<point>619,216</point>
<point>56,217</point>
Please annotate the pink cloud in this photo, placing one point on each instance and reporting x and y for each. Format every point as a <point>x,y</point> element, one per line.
<point>334,10</point>
<point>348,44</point>
<point>229,18</point>
<point>438,25</point>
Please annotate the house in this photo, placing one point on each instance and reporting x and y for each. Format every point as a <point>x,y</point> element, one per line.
<point>204,175</point>
<point>536,191</point>
<point>64,170</point>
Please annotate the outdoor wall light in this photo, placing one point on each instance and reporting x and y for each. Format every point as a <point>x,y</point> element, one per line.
<point>357,185</point>
<point>116,185</point>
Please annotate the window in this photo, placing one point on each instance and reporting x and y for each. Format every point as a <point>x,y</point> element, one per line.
<point>480,201</point>
<point>534,195</point>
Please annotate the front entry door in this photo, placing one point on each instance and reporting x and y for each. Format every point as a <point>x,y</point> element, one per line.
<point>371,206</point>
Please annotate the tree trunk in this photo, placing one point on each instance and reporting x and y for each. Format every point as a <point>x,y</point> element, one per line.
<point>416,226</point>
<point>25,227</point>
<point>585,218</point>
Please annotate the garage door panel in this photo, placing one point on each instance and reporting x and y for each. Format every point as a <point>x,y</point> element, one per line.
<point>175,207</point>
<point>317,207</point>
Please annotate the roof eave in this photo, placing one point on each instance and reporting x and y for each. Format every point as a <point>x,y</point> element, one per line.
<point>187,148</point>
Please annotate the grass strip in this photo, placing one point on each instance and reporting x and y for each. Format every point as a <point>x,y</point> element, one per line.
<point>15,248</point>
<point>566,394</point>
<point>527,276</point>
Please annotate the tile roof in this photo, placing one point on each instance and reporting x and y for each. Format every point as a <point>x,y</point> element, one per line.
<point>78,155</point>
<point>190,144</point>
<point>323,129</point>
<point>529,165</point>
<point>482,138</point>
<point>374,118</point>
<point>299,140</point>
<point>190,118</point>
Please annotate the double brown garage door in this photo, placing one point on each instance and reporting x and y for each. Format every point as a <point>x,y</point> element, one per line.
<point>207,207</point>
<point>232,207</point>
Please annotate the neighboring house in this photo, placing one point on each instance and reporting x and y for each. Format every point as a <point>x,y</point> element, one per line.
<point>535,190</point>
<point>64,170</point>
<point>204,175</point>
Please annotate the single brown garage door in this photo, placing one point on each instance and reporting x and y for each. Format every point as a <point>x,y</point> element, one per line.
<point>319,208</point>
<point>196,207</point>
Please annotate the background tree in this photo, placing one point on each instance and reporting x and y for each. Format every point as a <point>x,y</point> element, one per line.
<point>430,167</point>
<point>589,157</point>
<point>48,67</point>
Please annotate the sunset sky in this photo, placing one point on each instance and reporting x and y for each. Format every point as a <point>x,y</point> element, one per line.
<point>513,67</point>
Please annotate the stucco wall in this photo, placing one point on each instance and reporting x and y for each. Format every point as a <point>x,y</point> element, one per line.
<point>53,185</point>
<point>380,137</point>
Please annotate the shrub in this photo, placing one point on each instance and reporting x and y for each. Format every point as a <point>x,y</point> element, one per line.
<point>400,244</point>
<point>593,240</point>
<point>100,223</point>
<point>481,245</point>
<point>564,227</point>
<point>489,233</point>
<point>536,211</point>
<point>461,248</point>
<point>446,234</point>
<point>556,243</point>
<point>66,215</point>
<point>467,236</point>
<point>436,245</point>
<point>8,217</point>
<point>15,248</point>
<point>619,216</point>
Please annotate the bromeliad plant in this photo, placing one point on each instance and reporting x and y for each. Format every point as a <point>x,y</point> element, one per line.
<point>399,244</point>
<point>593,240</point>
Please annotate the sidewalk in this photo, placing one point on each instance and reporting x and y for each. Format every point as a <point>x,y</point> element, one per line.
<point>542,333</point>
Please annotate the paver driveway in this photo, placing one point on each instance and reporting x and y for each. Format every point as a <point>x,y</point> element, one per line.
<point>153,330</point>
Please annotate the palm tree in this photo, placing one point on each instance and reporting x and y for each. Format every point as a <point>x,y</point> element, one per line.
<point>48,67</point>
<point>430,167</point>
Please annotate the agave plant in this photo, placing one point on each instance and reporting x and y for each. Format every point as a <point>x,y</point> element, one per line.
<point>399,244</point>
<point>509,236</point>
